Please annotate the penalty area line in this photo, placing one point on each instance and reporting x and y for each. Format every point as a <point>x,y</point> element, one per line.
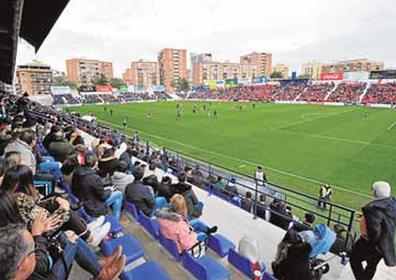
<point>303,178</point>
<point>391,126</point>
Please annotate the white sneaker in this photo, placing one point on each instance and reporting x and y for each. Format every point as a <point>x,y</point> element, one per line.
<point>100,233</point>
<point>92,226</point>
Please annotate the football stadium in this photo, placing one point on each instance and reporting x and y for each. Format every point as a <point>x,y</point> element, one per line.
<point>273,166</point>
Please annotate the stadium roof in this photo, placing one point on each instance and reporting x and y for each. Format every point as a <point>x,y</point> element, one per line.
<point>30,19</point>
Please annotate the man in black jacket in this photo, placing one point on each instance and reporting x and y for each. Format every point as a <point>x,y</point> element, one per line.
<point>140,194</point>
<point>377,233</point>
<point>89,189</point>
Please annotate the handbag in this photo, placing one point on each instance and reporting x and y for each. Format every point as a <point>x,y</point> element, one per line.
<point>198,250</point>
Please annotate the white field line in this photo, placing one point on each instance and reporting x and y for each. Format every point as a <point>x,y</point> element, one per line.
<point>365,143</point>
<point>391,126</point>
<point>307,179</point>
<point>309,120</point>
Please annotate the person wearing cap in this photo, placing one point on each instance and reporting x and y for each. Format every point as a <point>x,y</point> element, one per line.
<point>377,226</point>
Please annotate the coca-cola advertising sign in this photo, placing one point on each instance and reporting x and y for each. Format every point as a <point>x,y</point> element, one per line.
<point>331,76</point>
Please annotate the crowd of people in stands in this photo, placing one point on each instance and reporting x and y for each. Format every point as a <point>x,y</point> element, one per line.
<point>347,92</point>
<point>381,94</point>
<point>316,92</point>
<point>308,92</point>
<point>40,144</point>
<point>289,92</point>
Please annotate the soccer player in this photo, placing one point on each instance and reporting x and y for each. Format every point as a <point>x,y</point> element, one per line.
<point>366,113</point>
<point>105,108</point>
<point>179,115</point>
<point>124,123</point>
<point>111,112</point>
<point>215,114</point>
<point>209,114</point>
<point>194,110</point>
<point>254,105</point>
<point>240,108</point>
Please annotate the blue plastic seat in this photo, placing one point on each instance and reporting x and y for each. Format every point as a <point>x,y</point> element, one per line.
<point>170,246</point>
<point>268,276</point>
<point>131,208</point>
<point>205,268</point>
<point>150,224</point>
<point>241,263</point>
<point>131,247</point>
<point>149,271</point>
<point>220,244</point>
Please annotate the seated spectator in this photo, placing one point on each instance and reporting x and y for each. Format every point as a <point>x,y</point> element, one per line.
<point>120,177</point>
<point>140,194</point>
<point>88,187</point>
<point>175,226</point>
<point>279,215</point>
<point>231,187</point>
<point>5,136</point>
<point>107,163</point>
<point>197,177</point>
<point>219,185</point>
<point>38,260</point>
<point>127,155</point>
<point>307,224</point>
<point>50,136</point>
<point>292,259</point>
<point>262,207</point>
<point>194,207</point>
<point>19,183</point>
<point>247,203</point>
<point>17,252</point>
<point>165,188</point>
<point>59,147</point>
<point>24,144</point>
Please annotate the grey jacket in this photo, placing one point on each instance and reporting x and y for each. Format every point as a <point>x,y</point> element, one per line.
<point>26,152</point>
<point>120,180</point>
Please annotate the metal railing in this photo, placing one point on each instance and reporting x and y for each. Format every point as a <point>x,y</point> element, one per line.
<point>335,214</point>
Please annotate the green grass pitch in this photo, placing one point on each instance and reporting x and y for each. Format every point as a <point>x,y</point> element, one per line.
<point>299,145</point>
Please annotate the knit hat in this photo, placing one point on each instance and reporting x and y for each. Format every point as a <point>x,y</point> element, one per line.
<point>381,189</point>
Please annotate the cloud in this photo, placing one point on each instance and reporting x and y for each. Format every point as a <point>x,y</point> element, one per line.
<point>294,31</point>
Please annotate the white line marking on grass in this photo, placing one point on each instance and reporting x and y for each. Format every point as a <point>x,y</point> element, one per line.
<point>339,139</point>
<point>309,120</point>
<point>240,160</point>
<point>391,126</point>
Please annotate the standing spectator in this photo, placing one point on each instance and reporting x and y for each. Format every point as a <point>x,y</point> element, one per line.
<point>377,233</point>
<point>259,176</point>
<point>135,138</point>
<point>325,195</point>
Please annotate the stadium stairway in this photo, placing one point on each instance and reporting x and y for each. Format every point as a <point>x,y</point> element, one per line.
<point>331,92</point>
<point>368,85</point>
<point>298,95</point>
<point>233,223</point>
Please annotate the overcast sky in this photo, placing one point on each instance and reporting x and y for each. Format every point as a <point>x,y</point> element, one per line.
<point>295,31</point>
